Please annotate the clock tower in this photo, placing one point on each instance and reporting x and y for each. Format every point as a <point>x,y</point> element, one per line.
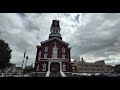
<point>53,55</point>
<point>55,30</point>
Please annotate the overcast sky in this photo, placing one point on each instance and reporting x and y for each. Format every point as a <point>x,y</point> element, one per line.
<point>93,36</point>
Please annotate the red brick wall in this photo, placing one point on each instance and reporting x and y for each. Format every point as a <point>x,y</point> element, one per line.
<point>50,45</point>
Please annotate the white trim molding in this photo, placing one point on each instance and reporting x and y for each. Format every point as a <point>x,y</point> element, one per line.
<point>44,67</point>
<point>46,49</point>
<point>53,39</point>
<point>48,74</point>
<point>45,56</point>
<point>64,67</point>
<point>62,74</point>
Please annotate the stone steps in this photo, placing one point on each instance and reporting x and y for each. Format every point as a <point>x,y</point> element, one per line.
<point>56,74</point>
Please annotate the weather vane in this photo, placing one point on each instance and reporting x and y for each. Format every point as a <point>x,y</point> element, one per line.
<point>57,17</point>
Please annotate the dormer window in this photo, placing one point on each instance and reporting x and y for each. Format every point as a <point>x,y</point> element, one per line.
<point>46,49</point>
<point>63,50</point>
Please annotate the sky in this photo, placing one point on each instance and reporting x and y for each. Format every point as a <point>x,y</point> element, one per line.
<point>93,36</point>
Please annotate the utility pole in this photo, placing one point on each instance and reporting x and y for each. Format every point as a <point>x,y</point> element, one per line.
<point>25,64</point>
<point>22,67</point>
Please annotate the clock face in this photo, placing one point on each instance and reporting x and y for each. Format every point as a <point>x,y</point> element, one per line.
<point>55,23</point>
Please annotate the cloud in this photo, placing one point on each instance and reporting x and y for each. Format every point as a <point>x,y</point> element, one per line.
<point>97,37</point>
<point>94,36</point>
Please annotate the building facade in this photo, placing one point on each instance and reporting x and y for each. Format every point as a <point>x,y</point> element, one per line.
<point>96,67</point>
<point>53,55</point>
<point>117,68</point>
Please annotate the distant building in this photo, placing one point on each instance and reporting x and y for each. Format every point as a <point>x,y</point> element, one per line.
<point>8,69</point>
<point>73,67</point>
<point>18,70</point>
<point>96,67</point>
<point>117,68</point>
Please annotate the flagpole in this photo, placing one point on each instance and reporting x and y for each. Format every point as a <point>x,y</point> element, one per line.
<point>22,67</point>
<point>22,64</point>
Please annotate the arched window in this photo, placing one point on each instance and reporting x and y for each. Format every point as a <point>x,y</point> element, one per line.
<point>63,50</point>
<point>44,67</point>
<point>54,30</point>
<point>46,49</point>
<point>45,55</point>
<point>64,67</point>
<point>63,56</point>
<point>55,51</point>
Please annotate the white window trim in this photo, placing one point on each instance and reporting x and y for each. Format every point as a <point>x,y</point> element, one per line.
<point>46,49</point>
<point>39,56</point>
<point>55,51</point>
<point>44,67</point>
<point>45,55</point>
<point>64,67</point>
<point>63,50</point>
<point>63,56</point>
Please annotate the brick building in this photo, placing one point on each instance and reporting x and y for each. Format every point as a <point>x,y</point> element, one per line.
<point>53,55</point>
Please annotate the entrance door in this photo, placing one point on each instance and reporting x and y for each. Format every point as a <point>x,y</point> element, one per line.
<point>54,67</point>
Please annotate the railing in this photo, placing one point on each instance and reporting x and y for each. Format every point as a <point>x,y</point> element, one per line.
<point>48,73</point>
<point>62,74</point>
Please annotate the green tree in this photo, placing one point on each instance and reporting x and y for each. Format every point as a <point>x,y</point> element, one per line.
<point>5,54</point>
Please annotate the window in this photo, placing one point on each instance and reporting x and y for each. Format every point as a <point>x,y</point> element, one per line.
<point>64,67</point>
<point>45,55</point>
<point>73,67</point>
<point>46,49</point>
<point>63,50</point>
<point>44,67</point>
<point>63,56</point>
<point>55,51</point>
<point>54,56</point>
<point>39,55</point>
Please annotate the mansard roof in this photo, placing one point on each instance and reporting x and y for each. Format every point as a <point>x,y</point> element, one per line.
<point>38,46</point>
<point>53,39</point>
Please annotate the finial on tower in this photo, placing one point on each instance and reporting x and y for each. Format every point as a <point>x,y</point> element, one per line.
<point>55,18</point>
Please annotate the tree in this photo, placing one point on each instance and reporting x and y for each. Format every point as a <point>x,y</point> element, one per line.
<point>28,69</point>
<point>5,54</point>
